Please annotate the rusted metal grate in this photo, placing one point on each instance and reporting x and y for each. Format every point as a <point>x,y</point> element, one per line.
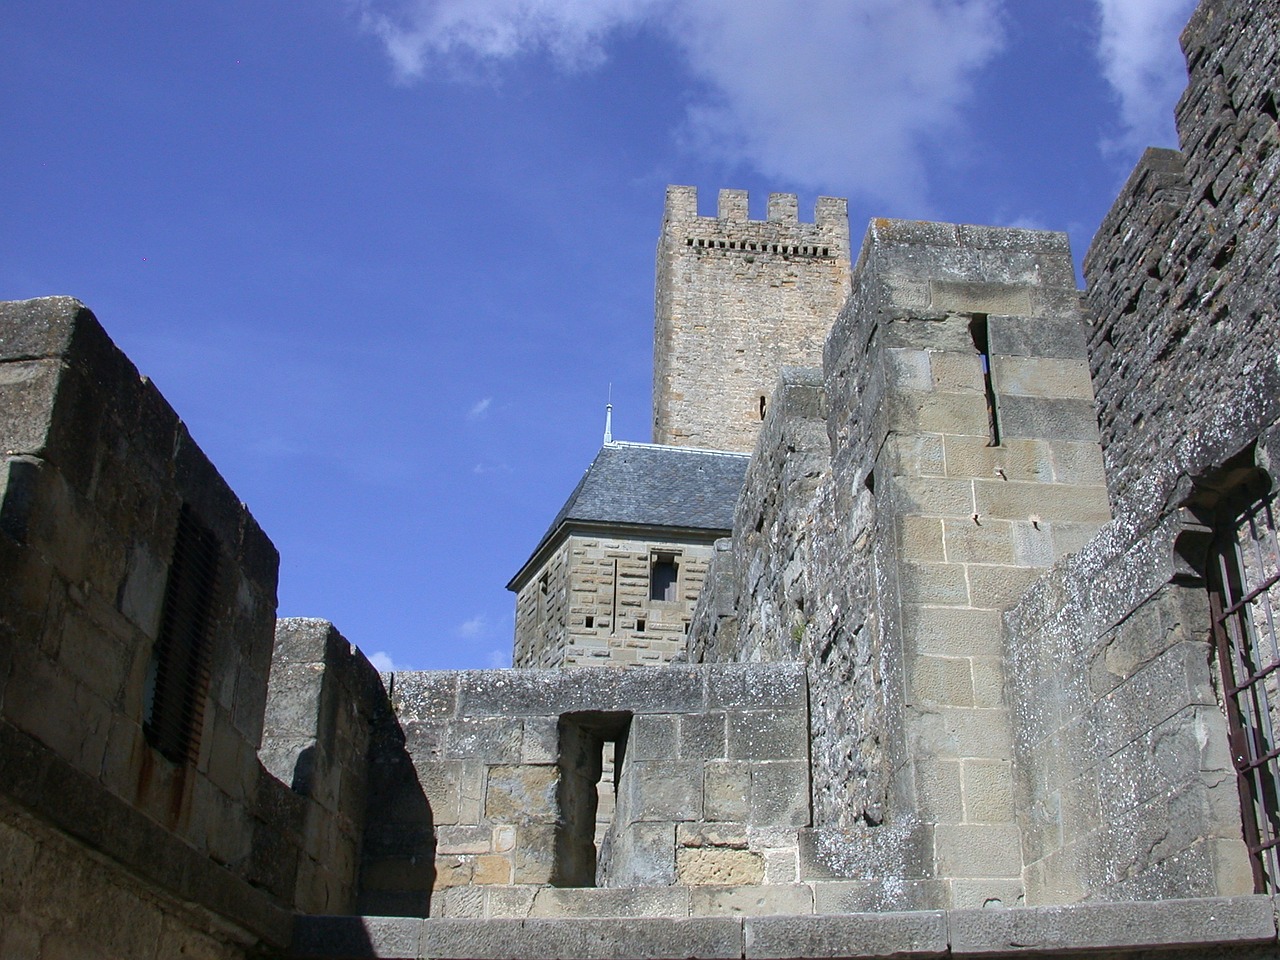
<point>179,677</point>
<point>1245,602</point>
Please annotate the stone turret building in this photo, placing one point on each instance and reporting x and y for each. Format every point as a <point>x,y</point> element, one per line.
<point>981,663</point>
<point>616,577</point>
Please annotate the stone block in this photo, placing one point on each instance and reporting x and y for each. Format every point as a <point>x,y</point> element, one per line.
<point>652,737</point>
<point>999,587</point>
<point>491,869</point>
<point>933,583</point>
<point>508,902</point>
<point>903,852</point>
<point>920,538</point>
<point>795,899</point>
<point>912,934</point>
<point>952,631</point>
<point>978,850</point>
<point>703,865</point>
<point>974,296</point>
<point>727,791</point>
<point>662,790</point>
<point>1048,419</point>
<point>986,893</point>
<point>988,791</point>
<point>891,895</point>
<point>520,693</point>
<point>1045,377</point>
<point>1043,502</point>
<point>1027,460</point>
<point>756,686</point>
<point>978,541</point>
<point>768,735</point>
<point>491,740</point>
<point>1190,924</point>
<point>941,680</point>
<point>28,390</point>
<point>960,732</point>
<point>541,742</point>
<point>464,839</point>
<point>780,793</point>
<point>936,412</point>
<point>932,497</point>
<point>988,681</point>
<point>918,455</point>
<point>956,372</point>
<point>908,369</point>
<point>938,789</point>
<point>702,736</point>
<point>399,937</point>
<point>610,902</point>
<point>534,856</point>
<point>521,794</point>
<point>1027,336</point>
<point>607,939</point>
<point>644,854</point>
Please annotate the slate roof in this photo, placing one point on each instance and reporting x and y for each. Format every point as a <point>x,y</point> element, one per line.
<point>647,485</point>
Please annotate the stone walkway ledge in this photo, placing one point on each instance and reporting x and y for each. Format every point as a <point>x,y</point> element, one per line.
<point>1230,926</point>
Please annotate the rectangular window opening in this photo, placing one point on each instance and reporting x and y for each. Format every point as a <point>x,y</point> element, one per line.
<point>978,331</point>
<point>664,577</point>
<point>178,674</point>
<point>593,746</point>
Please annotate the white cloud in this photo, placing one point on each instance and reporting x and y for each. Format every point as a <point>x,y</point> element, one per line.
<point>475,627</point>
<point>454,34</point>
<point>835,94</point>
<point>382,662</point>
<point>498,659</point>
<point>1141,60</point>
<point>479,408</point>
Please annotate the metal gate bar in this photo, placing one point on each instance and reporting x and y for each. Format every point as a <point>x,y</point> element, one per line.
<point>1245,587</point>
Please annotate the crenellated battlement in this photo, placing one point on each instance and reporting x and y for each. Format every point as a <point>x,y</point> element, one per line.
<point>830,213</point>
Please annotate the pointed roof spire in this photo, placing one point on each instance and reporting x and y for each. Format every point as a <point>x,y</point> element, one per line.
<point>608,417</point>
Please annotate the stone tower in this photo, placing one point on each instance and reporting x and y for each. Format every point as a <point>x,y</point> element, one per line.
<point>738,299</point>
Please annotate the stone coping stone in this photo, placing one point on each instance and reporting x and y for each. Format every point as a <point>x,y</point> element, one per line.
<point>698,938</point>
<point>921,933</point>
<point>1154,928</point>
<point>1164,924</point>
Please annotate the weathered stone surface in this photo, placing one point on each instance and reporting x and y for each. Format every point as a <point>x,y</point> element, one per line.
<point>1172,923</point>
<point>920,934</point>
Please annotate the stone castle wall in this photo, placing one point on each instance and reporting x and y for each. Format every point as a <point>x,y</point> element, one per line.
<point>1126,785</point>
<point>1183,286</point>
<point>737,299</point>
<point>711,783</point>
<point>95,472</point>
<point>947,491</point>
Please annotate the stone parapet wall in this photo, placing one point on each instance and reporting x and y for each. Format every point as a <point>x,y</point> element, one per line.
<point>324,702</point>
<point>1183,285</point>
<point>711,765</point>
<point>738,299</point>
<point>95,473</point>
<point>1125,785</point>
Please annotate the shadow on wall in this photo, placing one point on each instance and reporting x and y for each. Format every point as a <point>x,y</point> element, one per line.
<point>397,865</point>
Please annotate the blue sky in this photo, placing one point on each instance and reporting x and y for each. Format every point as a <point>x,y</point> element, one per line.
<point>385,257</point>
